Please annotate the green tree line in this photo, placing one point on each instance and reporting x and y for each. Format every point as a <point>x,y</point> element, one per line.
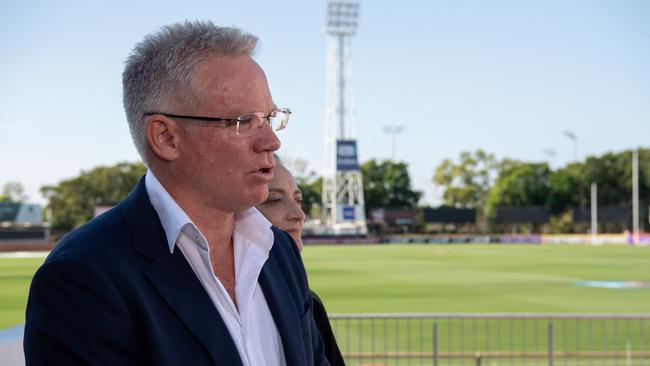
<point>474,180</point>
<point>478,180</point>
<point>73,201</point>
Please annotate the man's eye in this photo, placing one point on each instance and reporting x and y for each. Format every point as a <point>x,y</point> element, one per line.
<point>244,119</point>
<point>272,201</point>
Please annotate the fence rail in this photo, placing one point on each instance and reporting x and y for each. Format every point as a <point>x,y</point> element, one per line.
<point>493,339</point>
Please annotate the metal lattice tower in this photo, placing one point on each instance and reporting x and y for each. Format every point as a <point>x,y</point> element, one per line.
<point>343,203</point>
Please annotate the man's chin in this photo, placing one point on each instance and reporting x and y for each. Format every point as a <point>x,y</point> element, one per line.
<point>259,196</point>
<point>254,199</point>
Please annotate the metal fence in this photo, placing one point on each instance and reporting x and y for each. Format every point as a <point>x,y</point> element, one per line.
<point>493,339</point>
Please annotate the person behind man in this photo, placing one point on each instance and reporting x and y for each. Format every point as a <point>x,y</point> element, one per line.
<point>283,207</point>
<point>184,270</point>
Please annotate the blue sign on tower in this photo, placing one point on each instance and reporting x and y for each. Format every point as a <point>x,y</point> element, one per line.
<point>346,155</point>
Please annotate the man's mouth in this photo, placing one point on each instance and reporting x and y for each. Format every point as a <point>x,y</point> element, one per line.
<point>264,173</point>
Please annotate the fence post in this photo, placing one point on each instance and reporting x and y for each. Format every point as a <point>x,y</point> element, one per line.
<point>550,343</point>
<point>435,343</point>
<point>628,353</point>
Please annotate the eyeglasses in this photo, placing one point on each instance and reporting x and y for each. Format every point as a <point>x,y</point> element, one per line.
<point>247,124</point>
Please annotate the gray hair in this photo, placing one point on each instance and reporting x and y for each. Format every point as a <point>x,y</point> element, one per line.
<point>159,70</point>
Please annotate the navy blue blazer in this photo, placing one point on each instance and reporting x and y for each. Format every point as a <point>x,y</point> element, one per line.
<point>110,293</point>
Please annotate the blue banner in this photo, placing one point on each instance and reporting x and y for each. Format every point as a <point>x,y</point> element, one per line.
<point>346,155</point>
<point>348,213</point>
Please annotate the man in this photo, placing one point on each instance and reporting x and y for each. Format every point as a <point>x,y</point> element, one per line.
<point>184,270</point>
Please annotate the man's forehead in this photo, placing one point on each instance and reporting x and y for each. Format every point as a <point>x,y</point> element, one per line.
<point>235,81</point>
<point>228,70</point>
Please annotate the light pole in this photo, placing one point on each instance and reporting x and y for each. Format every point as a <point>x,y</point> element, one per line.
<point>341,24</point>
<point>394,130</point>
<point>343,201</point>
<point>573,137</point>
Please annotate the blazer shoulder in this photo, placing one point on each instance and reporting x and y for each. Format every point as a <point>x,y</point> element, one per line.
<point>284,244</point>
<point>97,238</point>
<point>286,253</point>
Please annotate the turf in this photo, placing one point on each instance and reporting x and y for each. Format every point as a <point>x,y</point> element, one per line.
<point>15,277</point>
<point>451,279</point>
<point>438,278</point>
<point>482,279</point>
<point>477,278</point>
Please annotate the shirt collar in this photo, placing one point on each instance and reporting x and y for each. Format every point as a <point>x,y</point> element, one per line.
<point>172,217</point>
<point>249,224</point>
<point>254,227</point>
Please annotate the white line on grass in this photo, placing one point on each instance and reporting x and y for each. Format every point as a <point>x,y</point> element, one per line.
<point>24,254</point>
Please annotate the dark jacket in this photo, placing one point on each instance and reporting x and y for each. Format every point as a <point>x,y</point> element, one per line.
<point>332,352</point>
<point>110,293</point>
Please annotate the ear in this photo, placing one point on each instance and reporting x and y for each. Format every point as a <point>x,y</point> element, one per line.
<point>163,137</point>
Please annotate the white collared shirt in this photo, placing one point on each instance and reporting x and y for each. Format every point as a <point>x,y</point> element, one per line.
<point>252,327</point>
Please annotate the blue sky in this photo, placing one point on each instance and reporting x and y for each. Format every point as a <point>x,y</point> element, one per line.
<point>505,76</point>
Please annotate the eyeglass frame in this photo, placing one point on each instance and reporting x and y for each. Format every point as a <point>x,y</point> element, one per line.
<point>236,120</point>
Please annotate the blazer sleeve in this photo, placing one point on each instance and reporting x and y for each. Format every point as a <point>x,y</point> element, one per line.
<point>318,346</point>
<point>292,256</point>
<point>76,316</point>
<point>331,348</point>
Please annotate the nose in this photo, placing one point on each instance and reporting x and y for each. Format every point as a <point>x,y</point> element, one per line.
<point>295,212</point>
<point>266,140</point>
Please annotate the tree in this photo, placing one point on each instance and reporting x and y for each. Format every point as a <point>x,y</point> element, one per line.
<point>612,172</point>
<point>565,188</point>
<point>523,184</point>
<point>387,184</point>
<point>13,192</point>
<point>73,201</point>
<point>613,175</point>
<point>466,183</point>
<point>312,193</point>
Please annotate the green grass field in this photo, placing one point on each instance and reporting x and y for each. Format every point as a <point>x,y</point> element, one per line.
<point>482,279</point>
<point>438,278</point>
<point>15,277</point>
<point>450,279</point>
<point>477,278</point>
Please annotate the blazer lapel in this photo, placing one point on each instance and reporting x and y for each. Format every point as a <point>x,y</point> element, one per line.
<point>175,280</point>
<point>285,317</point>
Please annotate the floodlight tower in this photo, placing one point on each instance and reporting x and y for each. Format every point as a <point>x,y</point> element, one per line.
<point>343,203</point>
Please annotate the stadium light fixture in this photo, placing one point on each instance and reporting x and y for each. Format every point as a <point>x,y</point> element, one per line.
<point>573,137</point>
<point>549,152</point>
<point>342,17</point>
